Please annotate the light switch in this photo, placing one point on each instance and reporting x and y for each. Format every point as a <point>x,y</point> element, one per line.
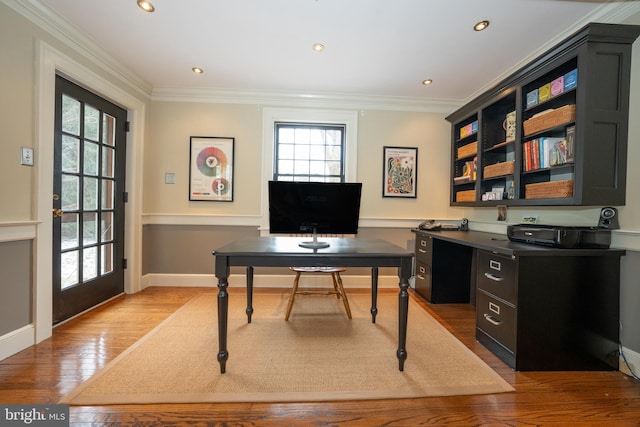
<point>26,156</point>
<point>169,178</point>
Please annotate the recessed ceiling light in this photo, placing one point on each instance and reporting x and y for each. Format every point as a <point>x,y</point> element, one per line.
<point>427,82</point>
<point>481,25</point>
<point>197,70</point>
<point>318,47</point>
<point>146,5</point>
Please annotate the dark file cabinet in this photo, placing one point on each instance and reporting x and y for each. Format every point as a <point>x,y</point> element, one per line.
<point>538,308</point>
<point>435,280</point>
<point>555,311</point>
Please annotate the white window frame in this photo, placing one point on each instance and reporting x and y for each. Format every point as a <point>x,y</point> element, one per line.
<point>272,115</point>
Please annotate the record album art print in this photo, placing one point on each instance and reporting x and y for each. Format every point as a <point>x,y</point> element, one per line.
<point>211,169</point>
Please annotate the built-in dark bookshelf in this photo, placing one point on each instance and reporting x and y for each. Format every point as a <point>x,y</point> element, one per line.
<point>552,133</point>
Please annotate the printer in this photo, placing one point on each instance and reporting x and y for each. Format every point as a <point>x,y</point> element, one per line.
<point>559,236</point>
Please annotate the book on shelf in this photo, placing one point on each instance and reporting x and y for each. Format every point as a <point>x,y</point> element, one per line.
<point>571,142</point>
<point>545,152</point>
<point>532,98</point>
<point>462,179</point>
<point>571,79</point>
<point>557,86</point>
<point>544,92</point>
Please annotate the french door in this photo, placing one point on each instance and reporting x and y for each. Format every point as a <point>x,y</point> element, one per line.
<point>88,200</point>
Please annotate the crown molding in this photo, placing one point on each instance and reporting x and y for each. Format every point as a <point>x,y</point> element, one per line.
<point>61,29</point>
<point>315,100</point>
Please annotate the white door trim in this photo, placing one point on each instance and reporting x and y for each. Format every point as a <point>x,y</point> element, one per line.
<point>50,61</point>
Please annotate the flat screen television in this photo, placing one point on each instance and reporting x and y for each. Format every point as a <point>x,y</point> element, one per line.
<point>314,208</point>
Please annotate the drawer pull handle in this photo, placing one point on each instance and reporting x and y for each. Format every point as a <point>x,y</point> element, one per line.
<point>492,320</point>
<point>494,278</point>
<point>421,277</point>
<point>422,251</point>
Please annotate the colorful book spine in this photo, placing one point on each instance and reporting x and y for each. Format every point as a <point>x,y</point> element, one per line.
<point>571,79</point>
<point>544,92</point>
<point>532,98</point>
<point>557,86</point>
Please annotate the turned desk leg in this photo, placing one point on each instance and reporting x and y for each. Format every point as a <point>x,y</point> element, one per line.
<point>374,293</point>
<point>223,310</point>
<point>403,311</point>
<point>249,293</point>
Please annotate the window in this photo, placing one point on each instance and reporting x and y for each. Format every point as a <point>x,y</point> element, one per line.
<point>309,152</point>
<point>272,116</point>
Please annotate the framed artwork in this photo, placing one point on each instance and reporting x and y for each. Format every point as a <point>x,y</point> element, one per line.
<point>400,172</point>
<point>211,168</point>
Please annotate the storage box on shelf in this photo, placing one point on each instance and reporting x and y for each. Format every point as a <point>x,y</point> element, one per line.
<point>549,190</point>
<point>577,92</point>
<point>466,196</point>
<point>468,150</point>
<point>499,169</point>
<point>549,119</point>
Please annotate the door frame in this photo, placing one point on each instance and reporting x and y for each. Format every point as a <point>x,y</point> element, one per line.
<point>49,62</point>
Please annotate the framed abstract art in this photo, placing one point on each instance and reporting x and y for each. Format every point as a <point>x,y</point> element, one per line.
<point>400,172</point>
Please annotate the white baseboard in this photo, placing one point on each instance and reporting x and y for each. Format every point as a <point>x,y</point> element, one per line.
<point>633,359</point>
<point>16,341</point>
<point>263,280</point>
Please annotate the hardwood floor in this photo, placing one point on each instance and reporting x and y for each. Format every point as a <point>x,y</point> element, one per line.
<point>44,373</point>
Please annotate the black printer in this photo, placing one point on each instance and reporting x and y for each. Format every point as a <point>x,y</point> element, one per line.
<point>560,236</point>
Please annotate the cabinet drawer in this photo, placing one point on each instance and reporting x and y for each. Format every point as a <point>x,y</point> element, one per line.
<point>497,275</point>
<point>497,319</point>
<point>423,280</point>
<point>424,248</point>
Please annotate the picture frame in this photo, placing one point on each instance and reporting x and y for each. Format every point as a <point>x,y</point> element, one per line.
<point>211,167</point>
<point>400,172</point>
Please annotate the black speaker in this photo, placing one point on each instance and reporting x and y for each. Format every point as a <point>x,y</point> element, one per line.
<point>609,219</point>
<point>464,224</point>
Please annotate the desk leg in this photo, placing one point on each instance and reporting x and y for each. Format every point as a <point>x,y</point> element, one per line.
<point>223,310</point>
<point>374,293</point>
<point>403,311</point>
<point>249,293</point>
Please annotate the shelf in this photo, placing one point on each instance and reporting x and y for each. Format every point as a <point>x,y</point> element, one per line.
<point>591,114</point>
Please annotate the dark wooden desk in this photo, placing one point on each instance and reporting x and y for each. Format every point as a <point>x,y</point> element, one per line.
<point>285,252</point>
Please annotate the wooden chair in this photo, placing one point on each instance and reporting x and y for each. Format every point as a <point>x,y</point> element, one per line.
<point>338,289</point>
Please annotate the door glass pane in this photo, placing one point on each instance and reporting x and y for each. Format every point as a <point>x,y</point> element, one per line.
<point>90,194</point>
<point>107,259</point>
<point>106,228</point>
<point>108,158</point>
<point>108,130</point>
<point>107,194</point>
<point>89,263</point>
<point>70,192</point>
<point>69,269</point>
<point>91,158</point>
<point>89,228</point>
<point>91,123</point>
<point>69,231</point>
<point>70,154</point>
<point>70,115</point>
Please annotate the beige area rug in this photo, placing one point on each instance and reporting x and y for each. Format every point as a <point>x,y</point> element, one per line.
<point>318,355</point>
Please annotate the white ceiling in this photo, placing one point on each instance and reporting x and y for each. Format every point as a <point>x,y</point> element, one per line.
<point>373,47</point>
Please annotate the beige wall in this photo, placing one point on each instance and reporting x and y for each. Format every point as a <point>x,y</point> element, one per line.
<point>170,124</point>
<point>16,115</point>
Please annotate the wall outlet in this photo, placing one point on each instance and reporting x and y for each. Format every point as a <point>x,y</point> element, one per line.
<point>26,156</point>
<point>169,178</point>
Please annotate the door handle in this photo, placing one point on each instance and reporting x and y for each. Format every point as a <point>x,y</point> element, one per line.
<point>57,212</point>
